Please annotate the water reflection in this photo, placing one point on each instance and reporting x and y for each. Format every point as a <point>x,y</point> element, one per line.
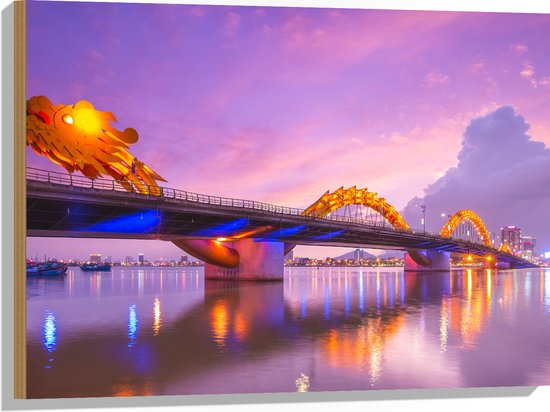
<point>157,316</point>
<point>444,325</point>
<point>132,325</point>
<point>220,324</point>
<point>49,333</point>
<point>340,329</point>
<point>237,311</point>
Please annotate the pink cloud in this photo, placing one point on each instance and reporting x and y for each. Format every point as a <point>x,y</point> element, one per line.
<point>478,65</point>
<point>528,70</point>
<point>231,24</point>
<point>434,78</point>
<point>519,48</point>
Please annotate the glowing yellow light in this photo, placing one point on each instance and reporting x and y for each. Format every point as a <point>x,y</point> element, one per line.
<point>469,258</point>
<point>157,317</point>
<point>473,218</point>
<point>88,121</point>
<point>329,202</point>
<point>78,137</point>
<point>489,258</point>
<point>469,283</point>
<point>67,119</point>
<point>240,326</point>
<point>302,383</point>
<point>219,324</point>
<point>489,285</point>
<point>221,239</point>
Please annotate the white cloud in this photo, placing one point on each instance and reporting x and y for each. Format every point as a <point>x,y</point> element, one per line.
<point>501,173</point>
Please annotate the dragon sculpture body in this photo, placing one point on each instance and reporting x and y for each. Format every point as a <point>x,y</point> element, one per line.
<point>79,137</point>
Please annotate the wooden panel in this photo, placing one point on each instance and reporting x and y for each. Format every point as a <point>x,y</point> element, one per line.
<point>20,372</point>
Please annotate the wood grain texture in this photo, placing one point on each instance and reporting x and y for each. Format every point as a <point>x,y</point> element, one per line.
<point>20,368</point>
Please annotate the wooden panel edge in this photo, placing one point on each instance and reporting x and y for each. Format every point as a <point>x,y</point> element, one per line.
<point>20,352</point>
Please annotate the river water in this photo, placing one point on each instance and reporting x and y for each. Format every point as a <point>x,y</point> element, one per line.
<point>153,331</point>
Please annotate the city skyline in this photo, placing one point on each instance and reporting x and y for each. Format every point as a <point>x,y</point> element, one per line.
<point>294,102</point>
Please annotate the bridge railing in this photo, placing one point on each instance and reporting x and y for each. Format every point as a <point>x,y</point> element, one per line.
<point>73,180</point>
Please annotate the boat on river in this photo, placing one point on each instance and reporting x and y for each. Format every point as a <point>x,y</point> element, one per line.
<point>46,269</point>
<point>95,267</point>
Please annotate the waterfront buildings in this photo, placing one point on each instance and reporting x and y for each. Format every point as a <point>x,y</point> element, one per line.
<point>528,244</point>
<point>95,257</point>
<point>511,235</point>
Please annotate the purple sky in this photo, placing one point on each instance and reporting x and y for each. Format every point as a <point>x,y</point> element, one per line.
<point>281,104</point>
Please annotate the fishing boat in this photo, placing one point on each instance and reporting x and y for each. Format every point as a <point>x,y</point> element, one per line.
<point>95,267</point>
<point>46,269</point>
<point>32,269</point>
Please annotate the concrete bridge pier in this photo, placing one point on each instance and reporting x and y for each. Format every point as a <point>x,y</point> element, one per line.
<point>258,260</point>
<point>427,261</point>
<point>504,265</point>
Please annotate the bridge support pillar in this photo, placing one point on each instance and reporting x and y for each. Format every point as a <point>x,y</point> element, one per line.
<point>504,265</point>
<point>258,260</point>
<point>439,262</point>
<point>489,265</point>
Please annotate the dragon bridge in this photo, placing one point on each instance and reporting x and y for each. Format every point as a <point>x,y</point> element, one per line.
<point>214,252</point>
<point>466,215</point>
<point>79,137</point>
<point>330,202</point>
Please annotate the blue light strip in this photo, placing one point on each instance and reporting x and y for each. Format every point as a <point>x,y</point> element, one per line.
<point>285,232</point>
<point>223,229</point>
<point>140,222</point>
<point>328,235</point>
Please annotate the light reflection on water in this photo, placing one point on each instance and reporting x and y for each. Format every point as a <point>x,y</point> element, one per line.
<point>49,332</point>
<point>148,331</point>
<point>132,325</point>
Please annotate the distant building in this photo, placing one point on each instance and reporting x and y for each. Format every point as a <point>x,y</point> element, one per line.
<point>184,259</point>
<point>511,235</point>
<point>95,257</point>
<point>140,258</point>
<point>359,254</point>
<point>109,259</point>
<point>128,260</point>
<point>528,244</point>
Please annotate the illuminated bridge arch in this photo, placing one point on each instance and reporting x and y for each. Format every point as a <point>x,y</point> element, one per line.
<point>467,216</point>
<point>330,202</point>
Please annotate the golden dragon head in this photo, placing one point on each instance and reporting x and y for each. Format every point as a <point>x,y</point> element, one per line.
<point>79,137</point>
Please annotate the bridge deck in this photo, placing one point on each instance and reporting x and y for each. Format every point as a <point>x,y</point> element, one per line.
<point>65,210</point>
